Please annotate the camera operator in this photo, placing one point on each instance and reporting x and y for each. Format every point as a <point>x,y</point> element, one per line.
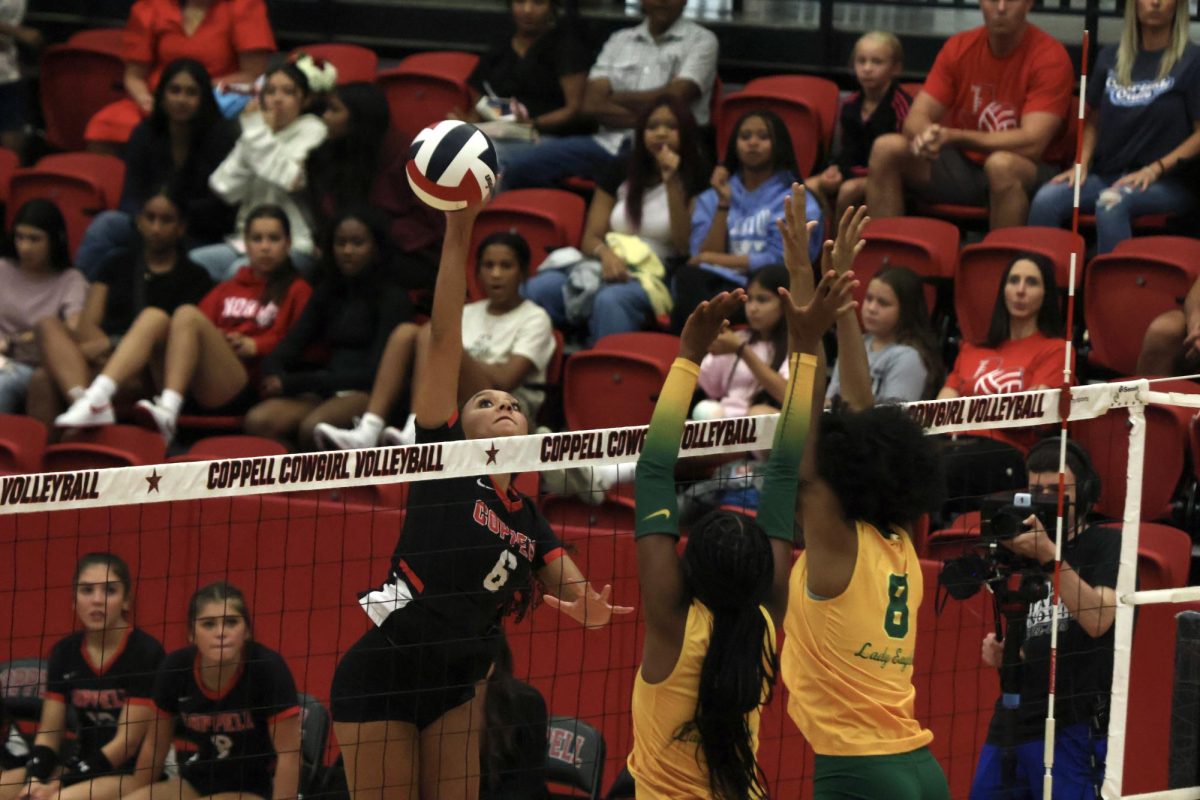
<point>1011,762</point>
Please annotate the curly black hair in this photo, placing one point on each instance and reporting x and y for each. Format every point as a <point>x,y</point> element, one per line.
<point>881,465</point>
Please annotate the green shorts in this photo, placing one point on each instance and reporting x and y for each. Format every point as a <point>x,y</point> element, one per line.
<point>906,776</point>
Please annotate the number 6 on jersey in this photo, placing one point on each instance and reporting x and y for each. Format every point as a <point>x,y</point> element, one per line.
<point>499,574</point>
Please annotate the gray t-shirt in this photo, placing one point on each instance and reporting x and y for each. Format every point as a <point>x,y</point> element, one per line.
<point>897,373</point>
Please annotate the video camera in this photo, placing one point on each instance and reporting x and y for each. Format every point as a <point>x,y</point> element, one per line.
<point>1002,517</point>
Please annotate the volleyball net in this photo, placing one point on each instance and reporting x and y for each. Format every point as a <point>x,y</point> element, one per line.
<point>303,534</point>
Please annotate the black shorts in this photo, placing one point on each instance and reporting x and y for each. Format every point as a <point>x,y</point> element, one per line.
<point>409,671</point>
<point>250,776</point>
<point>236,406</point>
<point>958,180</point>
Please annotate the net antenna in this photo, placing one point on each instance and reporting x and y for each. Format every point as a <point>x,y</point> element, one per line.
<point>1064,400</point>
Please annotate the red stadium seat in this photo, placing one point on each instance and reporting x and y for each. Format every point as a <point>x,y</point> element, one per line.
<point>106,171</point>
<point>78,197</point>
<point>354,63</point>
<point>425,87</point>
<point>1127,288</point>
<point>106,40</point>
<point>951,542</point>
<point>800,116</point>
<point>821,94</point>
<point>981,266</point>
<point>22,440</point>
<point>107,446</point>
<point>927,246</point>
<point>547,218</point>
<point>74,83</point>
<point>236,446</point>
<point>616,383</point>
<point>1164,554</point>
<point>9,161</point>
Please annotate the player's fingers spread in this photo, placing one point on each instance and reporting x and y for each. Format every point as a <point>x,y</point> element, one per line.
<point>552,601</point>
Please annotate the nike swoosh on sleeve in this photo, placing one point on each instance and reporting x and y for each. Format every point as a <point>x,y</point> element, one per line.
<point>665,513</point>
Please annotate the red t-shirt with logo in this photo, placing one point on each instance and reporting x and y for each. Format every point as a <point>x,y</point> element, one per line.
<point>986,93</point>
<point>1015,366</point>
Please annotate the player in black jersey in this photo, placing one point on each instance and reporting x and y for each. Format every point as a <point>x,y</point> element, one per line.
<point>407,709</point>
<point>104,672</point>
<point>237,704</point>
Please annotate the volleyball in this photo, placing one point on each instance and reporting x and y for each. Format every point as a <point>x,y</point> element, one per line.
<point>452,165</point>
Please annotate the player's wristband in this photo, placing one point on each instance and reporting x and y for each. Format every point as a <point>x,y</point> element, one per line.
<point>95,764</point>
<point>41,763</point>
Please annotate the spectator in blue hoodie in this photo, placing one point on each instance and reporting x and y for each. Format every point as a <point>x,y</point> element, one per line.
<point>733,223</point>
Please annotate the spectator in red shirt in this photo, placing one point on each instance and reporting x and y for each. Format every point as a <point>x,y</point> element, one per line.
<point>995,99</point>
<point>231,38</point>
<point>211,351</point>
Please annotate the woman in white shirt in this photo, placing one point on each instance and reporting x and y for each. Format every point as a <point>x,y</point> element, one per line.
<point>266,166</point>
<point>507,344</point>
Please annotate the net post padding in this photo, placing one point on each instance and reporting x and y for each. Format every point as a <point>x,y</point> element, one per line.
<point>1114,767</point>
<point>1184,760</point>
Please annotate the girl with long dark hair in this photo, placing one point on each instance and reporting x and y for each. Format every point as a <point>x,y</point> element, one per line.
<point>103,672</point>
<point>406,712</point>
<point>209,352</point>
<point>709,661</point>
<point>183,140</point>
<point>38,281</point>
<point>647,195</point>
<point>902,350</point>
<point>733,224</point>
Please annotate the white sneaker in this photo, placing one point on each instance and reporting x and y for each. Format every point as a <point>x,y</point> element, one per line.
<point>400,437</point>
<point>82,414</point>
<point>328,437</point>
<point>150,414</point>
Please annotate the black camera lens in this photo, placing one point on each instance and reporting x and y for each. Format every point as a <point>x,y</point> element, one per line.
<point>1007,523</point>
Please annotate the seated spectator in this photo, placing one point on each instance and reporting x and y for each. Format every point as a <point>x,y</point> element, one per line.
<point>996,97</point>
<point>507,343</point>
<point>231,38</point>
<point>878,107</point>
<point>14,100</point>
<point>223,681</point>
<point>665,53</point>
<point>157,274</point>
<point>902,349</point>
<point>352,312</point>
<point>1143,125</point>
<point>641,203</point>
<point>38,282</point>
<point>733,225</point>
<point>355,167</point>
<point>514,742</point>
<point>183,140</point>
<point>536,74</point>
<point>1172,342</point>
<point>266,167</point>
<point>209,352</point>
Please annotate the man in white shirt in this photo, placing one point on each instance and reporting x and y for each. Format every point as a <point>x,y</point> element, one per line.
<point>663,54</point>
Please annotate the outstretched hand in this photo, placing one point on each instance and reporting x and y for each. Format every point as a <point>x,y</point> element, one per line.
<point>849,242</point>
<point>808,323</point>
<point>796,230</point>
<point>706,322</point>
<point>592,610</point>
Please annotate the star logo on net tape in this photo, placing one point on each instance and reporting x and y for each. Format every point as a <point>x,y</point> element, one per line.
<point>492,452</point>
<point>153,478</point>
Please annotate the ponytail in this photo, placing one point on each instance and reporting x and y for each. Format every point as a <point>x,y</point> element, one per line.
<point>729,565</point>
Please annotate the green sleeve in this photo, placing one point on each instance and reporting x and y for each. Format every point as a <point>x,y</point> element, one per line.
<point>777,508</point>
<point>654,491</point>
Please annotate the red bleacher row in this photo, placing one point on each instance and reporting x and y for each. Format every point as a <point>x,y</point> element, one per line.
<point>301,562</point>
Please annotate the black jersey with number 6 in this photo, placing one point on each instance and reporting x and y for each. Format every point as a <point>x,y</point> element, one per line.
<point>230,729</point>
<point>97,693</point>
<point>467,547</point>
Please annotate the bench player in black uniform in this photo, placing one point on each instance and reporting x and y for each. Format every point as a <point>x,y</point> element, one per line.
<point>407,705</point>
<point>237,702</point>
<point>104,672</point>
